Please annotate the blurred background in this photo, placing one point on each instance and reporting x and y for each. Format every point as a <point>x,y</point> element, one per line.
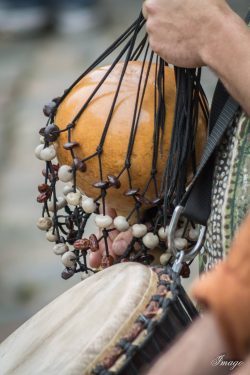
<point>44,46</point>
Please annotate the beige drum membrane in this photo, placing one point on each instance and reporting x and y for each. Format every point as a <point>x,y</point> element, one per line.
<point>80,329</point>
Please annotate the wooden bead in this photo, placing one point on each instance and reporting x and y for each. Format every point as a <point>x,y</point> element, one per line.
<point>131,192</point>
<point>48,153</point>
<point>60,249</point>
<point>38,150</point>
<point>113,181</point>
<point>139,230</point>
<point>65,173</point>
<point>94,245</point>
<point>151,240</point>
<point>107,261</point>
<point>180,243</point>
<point>121,223</point>
<point>69,259</point>
<point>44,223</point>
<point>70,145</point>
<point>51,133</point>
<point>163,233</point>
<point>74,199</point>
<point>101,185</point>
<point>103,221</point>
<point>82,244</point>
<point>165,258</point>
<point>88,205</point>
<point>51,237</point>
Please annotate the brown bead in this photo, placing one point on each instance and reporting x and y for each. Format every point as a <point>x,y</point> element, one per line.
<point>82,244</point>
<point>161,290</point>
<point>110,360</point>
<point>185,271</point>
<point>43,188</point>
<point>94,245</point>
<point>80,165</point>
<point>151,310</point>
<point>133,332</point>
<point>42,198</point>
<point>107,261</point>
<point>51,133</point>
<point>113,181</point>
<point>131,192</point>
<point>101,185</point>
<point>70,145</point>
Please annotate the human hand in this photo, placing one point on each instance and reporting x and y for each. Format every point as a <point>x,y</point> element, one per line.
<point>117,243</point>
<point>181,31</point>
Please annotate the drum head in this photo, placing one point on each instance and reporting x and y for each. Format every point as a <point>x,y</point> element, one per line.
<point>73,333</point>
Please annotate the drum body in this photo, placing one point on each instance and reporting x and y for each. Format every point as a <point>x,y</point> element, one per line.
<point>114,322</point>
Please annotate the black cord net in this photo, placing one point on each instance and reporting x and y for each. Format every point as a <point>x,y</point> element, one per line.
<point>67,229</point>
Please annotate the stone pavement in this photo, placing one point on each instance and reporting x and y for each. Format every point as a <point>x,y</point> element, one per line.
<point>32,71</point>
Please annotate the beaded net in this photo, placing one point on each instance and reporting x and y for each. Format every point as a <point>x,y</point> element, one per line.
<point>65,218</point>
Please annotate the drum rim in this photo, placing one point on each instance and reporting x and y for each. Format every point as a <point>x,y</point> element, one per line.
<point>169,291</point>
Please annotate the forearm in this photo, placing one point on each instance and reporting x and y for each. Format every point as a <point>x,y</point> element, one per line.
<point>194,352</point>
<point>227,53</point>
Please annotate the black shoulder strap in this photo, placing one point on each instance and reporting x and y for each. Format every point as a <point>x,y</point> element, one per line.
<point>197,200</point>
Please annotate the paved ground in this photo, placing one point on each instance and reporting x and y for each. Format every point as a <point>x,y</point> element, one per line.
<point>31,72</point>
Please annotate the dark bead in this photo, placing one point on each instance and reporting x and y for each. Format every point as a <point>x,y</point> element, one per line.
<point>157,201</point>
<point>55,167</point>
<point>56,100</point>
<point>70,145</point>
<point>69,223</point>
<point>49,108</point>
<point>107,261</point>
<point>67,273</point>
<point>82,244</point>
<point>113,181</point>
<point>185,271</point>
<point>41,131</point>
<point>94,245</point>
<point>131,192</point>
<point>42,198</point>
<point>101,185</point>
<point>146,259</point>
<point>51,133</point>
<point>80,165</point>
<point>71,237</point>
<point>139,198</point>
<point>43,188</point>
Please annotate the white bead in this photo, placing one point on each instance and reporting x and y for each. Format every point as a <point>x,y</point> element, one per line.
<point>88,204</point>
<point>65,173</point>
<point>61,202</point>
<point>103,221</point>
<point>179,233</point>
<point>48,153</point>
<point>74,198</point>
<point>121,223</point>
<point>44,223</point>
<point>60,248</point>
<point>165,258</point>
<point>180,243</point>
<point>38,150</point>
<point>163,233</point>
<point>69,259</point>
<point>51,237</point>
<point>150,240</point>
<point>139,230</point>
<point>67,189</point>
<point>193,234</point>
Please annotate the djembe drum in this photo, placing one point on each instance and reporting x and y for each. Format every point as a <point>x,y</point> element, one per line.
<point>128,136</point>
<point>115,322</point>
